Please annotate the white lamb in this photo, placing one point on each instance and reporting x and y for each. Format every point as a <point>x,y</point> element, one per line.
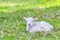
<point>33,26</point>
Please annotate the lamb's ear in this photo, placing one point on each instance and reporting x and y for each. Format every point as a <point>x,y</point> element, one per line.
<point>25,18</point>
<point>35,18</point>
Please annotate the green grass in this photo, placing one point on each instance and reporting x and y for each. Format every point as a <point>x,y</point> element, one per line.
<point>30,3</point>
<point>12,24</point>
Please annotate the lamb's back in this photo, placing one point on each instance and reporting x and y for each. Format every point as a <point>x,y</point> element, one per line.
<point>46,26</point>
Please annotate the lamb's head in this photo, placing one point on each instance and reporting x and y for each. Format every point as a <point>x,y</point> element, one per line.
<point>30,19</point>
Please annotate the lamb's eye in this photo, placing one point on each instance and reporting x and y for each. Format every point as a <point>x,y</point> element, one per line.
<point>29,24</point>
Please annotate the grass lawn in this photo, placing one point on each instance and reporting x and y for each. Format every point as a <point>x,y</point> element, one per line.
<point>12,24</point>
